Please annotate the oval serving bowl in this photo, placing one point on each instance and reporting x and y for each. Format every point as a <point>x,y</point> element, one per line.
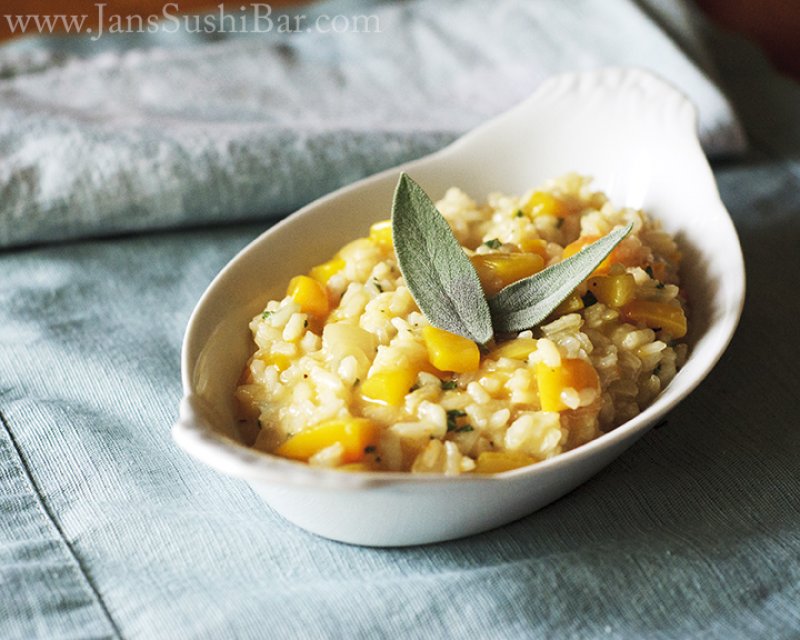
<point>636,135</point>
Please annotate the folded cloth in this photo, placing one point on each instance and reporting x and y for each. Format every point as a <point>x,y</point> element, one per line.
<point>255,126</point>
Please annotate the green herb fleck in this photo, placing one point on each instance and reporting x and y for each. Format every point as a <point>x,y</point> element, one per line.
<point>452,418</point>
<point>588,299</point>
<point>519,213</point>
<point>377,285</point>
<point>266,314</point>
<point>447,385</point>
<point>440,276</point>
<point>494,243</point>
<point>465,429</point>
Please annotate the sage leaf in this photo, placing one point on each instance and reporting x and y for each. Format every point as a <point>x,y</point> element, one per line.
<point>525,303</point>
<point>442,280</point>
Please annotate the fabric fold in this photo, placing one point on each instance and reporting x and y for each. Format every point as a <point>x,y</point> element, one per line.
<point>259,124</point>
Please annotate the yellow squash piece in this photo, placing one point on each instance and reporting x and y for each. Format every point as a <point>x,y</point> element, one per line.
<point>355,467</point>
<point>614,291</point>
<point>323,272</point>
<point>450,352</point>
<point>279,360</point>
<point>570,305</point>
<point>656,315</point>
<point>497,270</point>
<point>310,295</point>
<point>388,387</point>
<point>381,234</point>
<point>542,203</point>
<point>354,434</point>
<point>575,373</point>
<point>584,241</point>
<point>499,461</point>
<point>516,349</point>
<point>535,245</point>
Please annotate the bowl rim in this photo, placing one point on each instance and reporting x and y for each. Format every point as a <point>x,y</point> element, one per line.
<point>193,433</point>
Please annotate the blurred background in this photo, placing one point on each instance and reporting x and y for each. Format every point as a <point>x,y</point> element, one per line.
<point>773,24</point>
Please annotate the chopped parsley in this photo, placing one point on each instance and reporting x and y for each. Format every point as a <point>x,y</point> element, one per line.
<point>465,428</point>
<point>494,243</point>
<point>448,385</point>
<point>519,214</point>
<point>452,418</point>
<point>377,285</point>
<point>266,314</point>
<point>588,299</point>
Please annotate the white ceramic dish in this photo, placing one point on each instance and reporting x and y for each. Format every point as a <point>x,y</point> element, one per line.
<point>630,130</point>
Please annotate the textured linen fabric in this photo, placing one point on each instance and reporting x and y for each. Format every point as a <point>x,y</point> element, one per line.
<point>256,126</point>
<point>108,530</point>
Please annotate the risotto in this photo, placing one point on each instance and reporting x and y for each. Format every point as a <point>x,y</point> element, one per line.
<point>347,372</point>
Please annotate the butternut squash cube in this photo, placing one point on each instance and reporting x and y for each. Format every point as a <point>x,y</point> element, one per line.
<point>354,434</point>
<point>535,245</point>
<point>573,373</point>
<point>614,291</point>
<point>323,272</point>
<point>381,234</point>
<point>310,295</point>
<point>542,203</point>
<point>572,304</point>
<point>388,387</point>
<point>656,315</point>
<point>499,461</point>
<point>498,270</point>
<point>584,241</point>
<point>516,349</point>
<point>450,352</point>
<point>279,360</point>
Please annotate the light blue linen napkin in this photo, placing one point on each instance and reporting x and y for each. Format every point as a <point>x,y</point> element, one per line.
<point>108,530</point>
<point>255,126</point>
